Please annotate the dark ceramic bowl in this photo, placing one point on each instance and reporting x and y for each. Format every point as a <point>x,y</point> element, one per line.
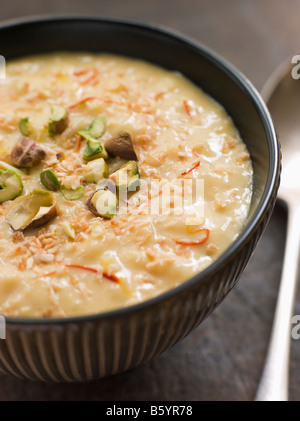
<point>90,347</point>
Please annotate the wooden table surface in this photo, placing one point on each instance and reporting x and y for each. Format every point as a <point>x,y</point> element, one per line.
<point>222,359</point>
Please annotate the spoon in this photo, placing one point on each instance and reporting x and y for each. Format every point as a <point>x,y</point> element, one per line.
<point>282,95</point>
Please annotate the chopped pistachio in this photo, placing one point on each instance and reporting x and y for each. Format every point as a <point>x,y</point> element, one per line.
<point>94,150</point>
<point>58,121</point>
<point>25,126</point>
<point>86,135</point>
<point>6,166</point>
<point>96,170</point>
<point>121,146</point>
<point>97,127</point>
<point>27,153</point>
<point>11,185</point>
<point>95,130</point>
<point>71,194</point>
<point>44,215</point>
<point>103,203</point>
<point>49,180</point>
<point>31,211</point>
<point>68,230</point>
<point>127,177</point>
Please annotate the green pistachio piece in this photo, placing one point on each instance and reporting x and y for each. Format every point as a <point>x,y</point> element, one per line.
<point>94,150</point>
<point>75,194</point>
<point>11,185</point>
<point>96,170</point>
<point>6,166</point>
<point>31,211</point>
<point>97,127</point>
<point>85,133</point>
<point>58,121</point>
<point>25,126</point>
<point>49,180</point>
<point>103,203</point>
<point>127,177</point>
<point>95,130</point>
<point>27,153</point>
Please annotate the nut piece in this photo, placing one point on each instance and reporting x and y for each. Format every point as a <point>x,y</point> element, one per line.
<point>103,203</point>
<point>58,121</point>
<point>49,180</point>
<point>121,146</point>
<point>32,211</point>
<point>127,177</point>
<point>6,166</point>
<point>11,185</point>
<point>27,153</point>
<point>96,170</point>
<point>25,126</point>
<point>94,150</point>
<point>44,215</point>
<point>75,194</point>
<point>95,130</point>
<point>68,230</point>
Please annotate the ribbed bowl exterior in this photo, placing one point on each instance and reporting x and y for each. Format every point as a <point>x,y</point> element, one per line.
<point>85,348</point>
<point>68,352</point>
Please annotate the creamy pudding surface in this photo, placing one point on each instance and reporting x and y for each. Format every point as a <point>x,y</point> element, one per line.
<point>94,150</point>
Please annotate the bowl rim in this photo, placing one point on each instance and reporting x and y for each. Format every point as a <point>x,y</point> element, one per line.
<point>271,183</point>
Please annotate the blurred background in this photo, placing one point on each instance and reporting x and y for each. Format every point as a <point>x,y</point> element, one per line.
<point>222,359</point>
